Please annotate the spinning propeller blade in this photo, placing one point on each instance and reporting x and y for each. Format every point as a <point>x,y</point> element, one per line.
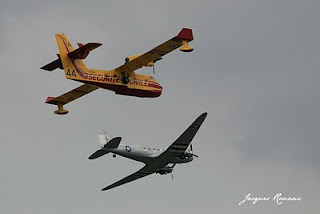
<point>172,170</point>
<point>191,149</point>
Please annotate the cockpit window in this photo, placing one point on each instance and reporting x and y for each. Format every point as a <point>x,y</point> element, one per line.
<point>152,78</point>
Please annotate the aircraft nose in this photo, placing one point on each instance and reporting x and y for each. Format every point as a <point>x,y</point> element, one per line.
<point>159,92</point>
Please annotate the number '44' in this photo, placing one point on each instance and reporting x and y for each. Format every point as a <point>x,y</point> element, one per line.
<point>73,73</point>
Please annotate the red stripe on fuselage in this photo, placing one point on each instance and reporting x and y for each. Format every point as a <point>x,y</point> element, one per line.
<point>78,69</point>
<point>154,85</point>
<point>124,90</point>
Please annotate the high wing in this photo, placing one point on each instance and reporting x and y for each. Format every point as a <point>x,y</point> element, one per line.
<point>70,96</point>
<point>156,53</point>
<point>181,144</point>
<point>168,156</point>
<point>146,170</point>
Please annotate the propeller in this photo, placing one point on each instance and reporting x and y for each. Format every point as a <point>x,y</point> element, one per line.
<point>172,170</point>
<point>191,149</point>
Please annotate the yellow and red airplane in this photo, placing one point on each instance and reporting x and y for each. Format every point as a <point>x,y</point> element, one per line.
<point>122,80</point>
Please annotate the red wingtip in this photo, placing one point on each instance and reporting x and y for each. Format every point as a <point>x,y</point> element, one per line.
<point>186,34</point>
<point>49,99</point>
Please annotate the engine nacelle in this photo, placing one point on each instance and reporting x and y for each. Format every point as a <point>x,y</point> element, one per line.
<point>184,158</point>
<point>165,170</point>
<point>130,58</point>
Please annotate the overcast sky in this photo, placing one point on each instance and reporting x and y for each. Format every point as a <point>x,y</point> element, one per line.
<point>255,70</point>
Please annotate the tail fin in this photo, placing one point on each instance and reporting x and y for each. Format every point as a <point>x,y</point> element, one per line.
<point>112,144</point>
<point>103,138</point>
<point>105,144</point>
<point>73,68</point>
<point>106,141</point>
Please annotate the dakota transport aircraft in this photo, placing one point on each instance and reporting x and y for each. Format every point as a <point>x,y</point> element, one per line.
<point>122,80</point>
<point>156,160</point>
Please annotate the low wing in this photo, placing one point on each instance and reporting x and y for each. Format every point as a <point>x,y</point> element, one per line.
<point>168,156</point>
<point>70,96</point>
<point>157,52</point>
<point>146,170</point>
<point>181,144</point>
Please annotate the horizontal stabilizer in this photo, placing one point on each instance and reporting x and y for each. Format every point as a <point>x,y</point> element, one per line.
<point>80,53</point>
<point>114,143</point>
<point>53,65</point>
<point>83,51</point>
<point>98,154</point>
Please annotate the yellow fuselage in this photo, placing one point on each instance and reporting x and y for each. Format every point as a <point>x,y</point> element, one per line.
<point>125,83</point>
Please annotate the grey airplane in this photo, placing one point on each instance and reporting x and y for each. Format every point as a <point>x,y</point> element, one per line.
<point>158,161</point>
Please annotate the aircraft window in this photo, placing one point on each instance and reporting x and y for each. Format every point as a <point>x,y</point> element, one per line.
<point>115,75</point>
<point>144,149</point>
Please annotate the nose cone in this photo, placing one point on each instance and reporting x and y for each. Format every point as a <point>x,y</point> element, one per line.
<point>156,85</point>
<point>160,90</point>
<point>157,93</point>
<point>156,88</point>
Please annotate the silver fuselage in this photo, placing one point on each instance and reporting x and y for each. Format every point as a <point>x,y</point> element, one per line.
<point>143,154</point>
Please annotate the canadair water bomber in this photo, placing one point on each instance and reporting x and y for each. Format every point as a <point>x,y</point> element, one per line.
<point>158,161</point>
<point>122,80</point>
